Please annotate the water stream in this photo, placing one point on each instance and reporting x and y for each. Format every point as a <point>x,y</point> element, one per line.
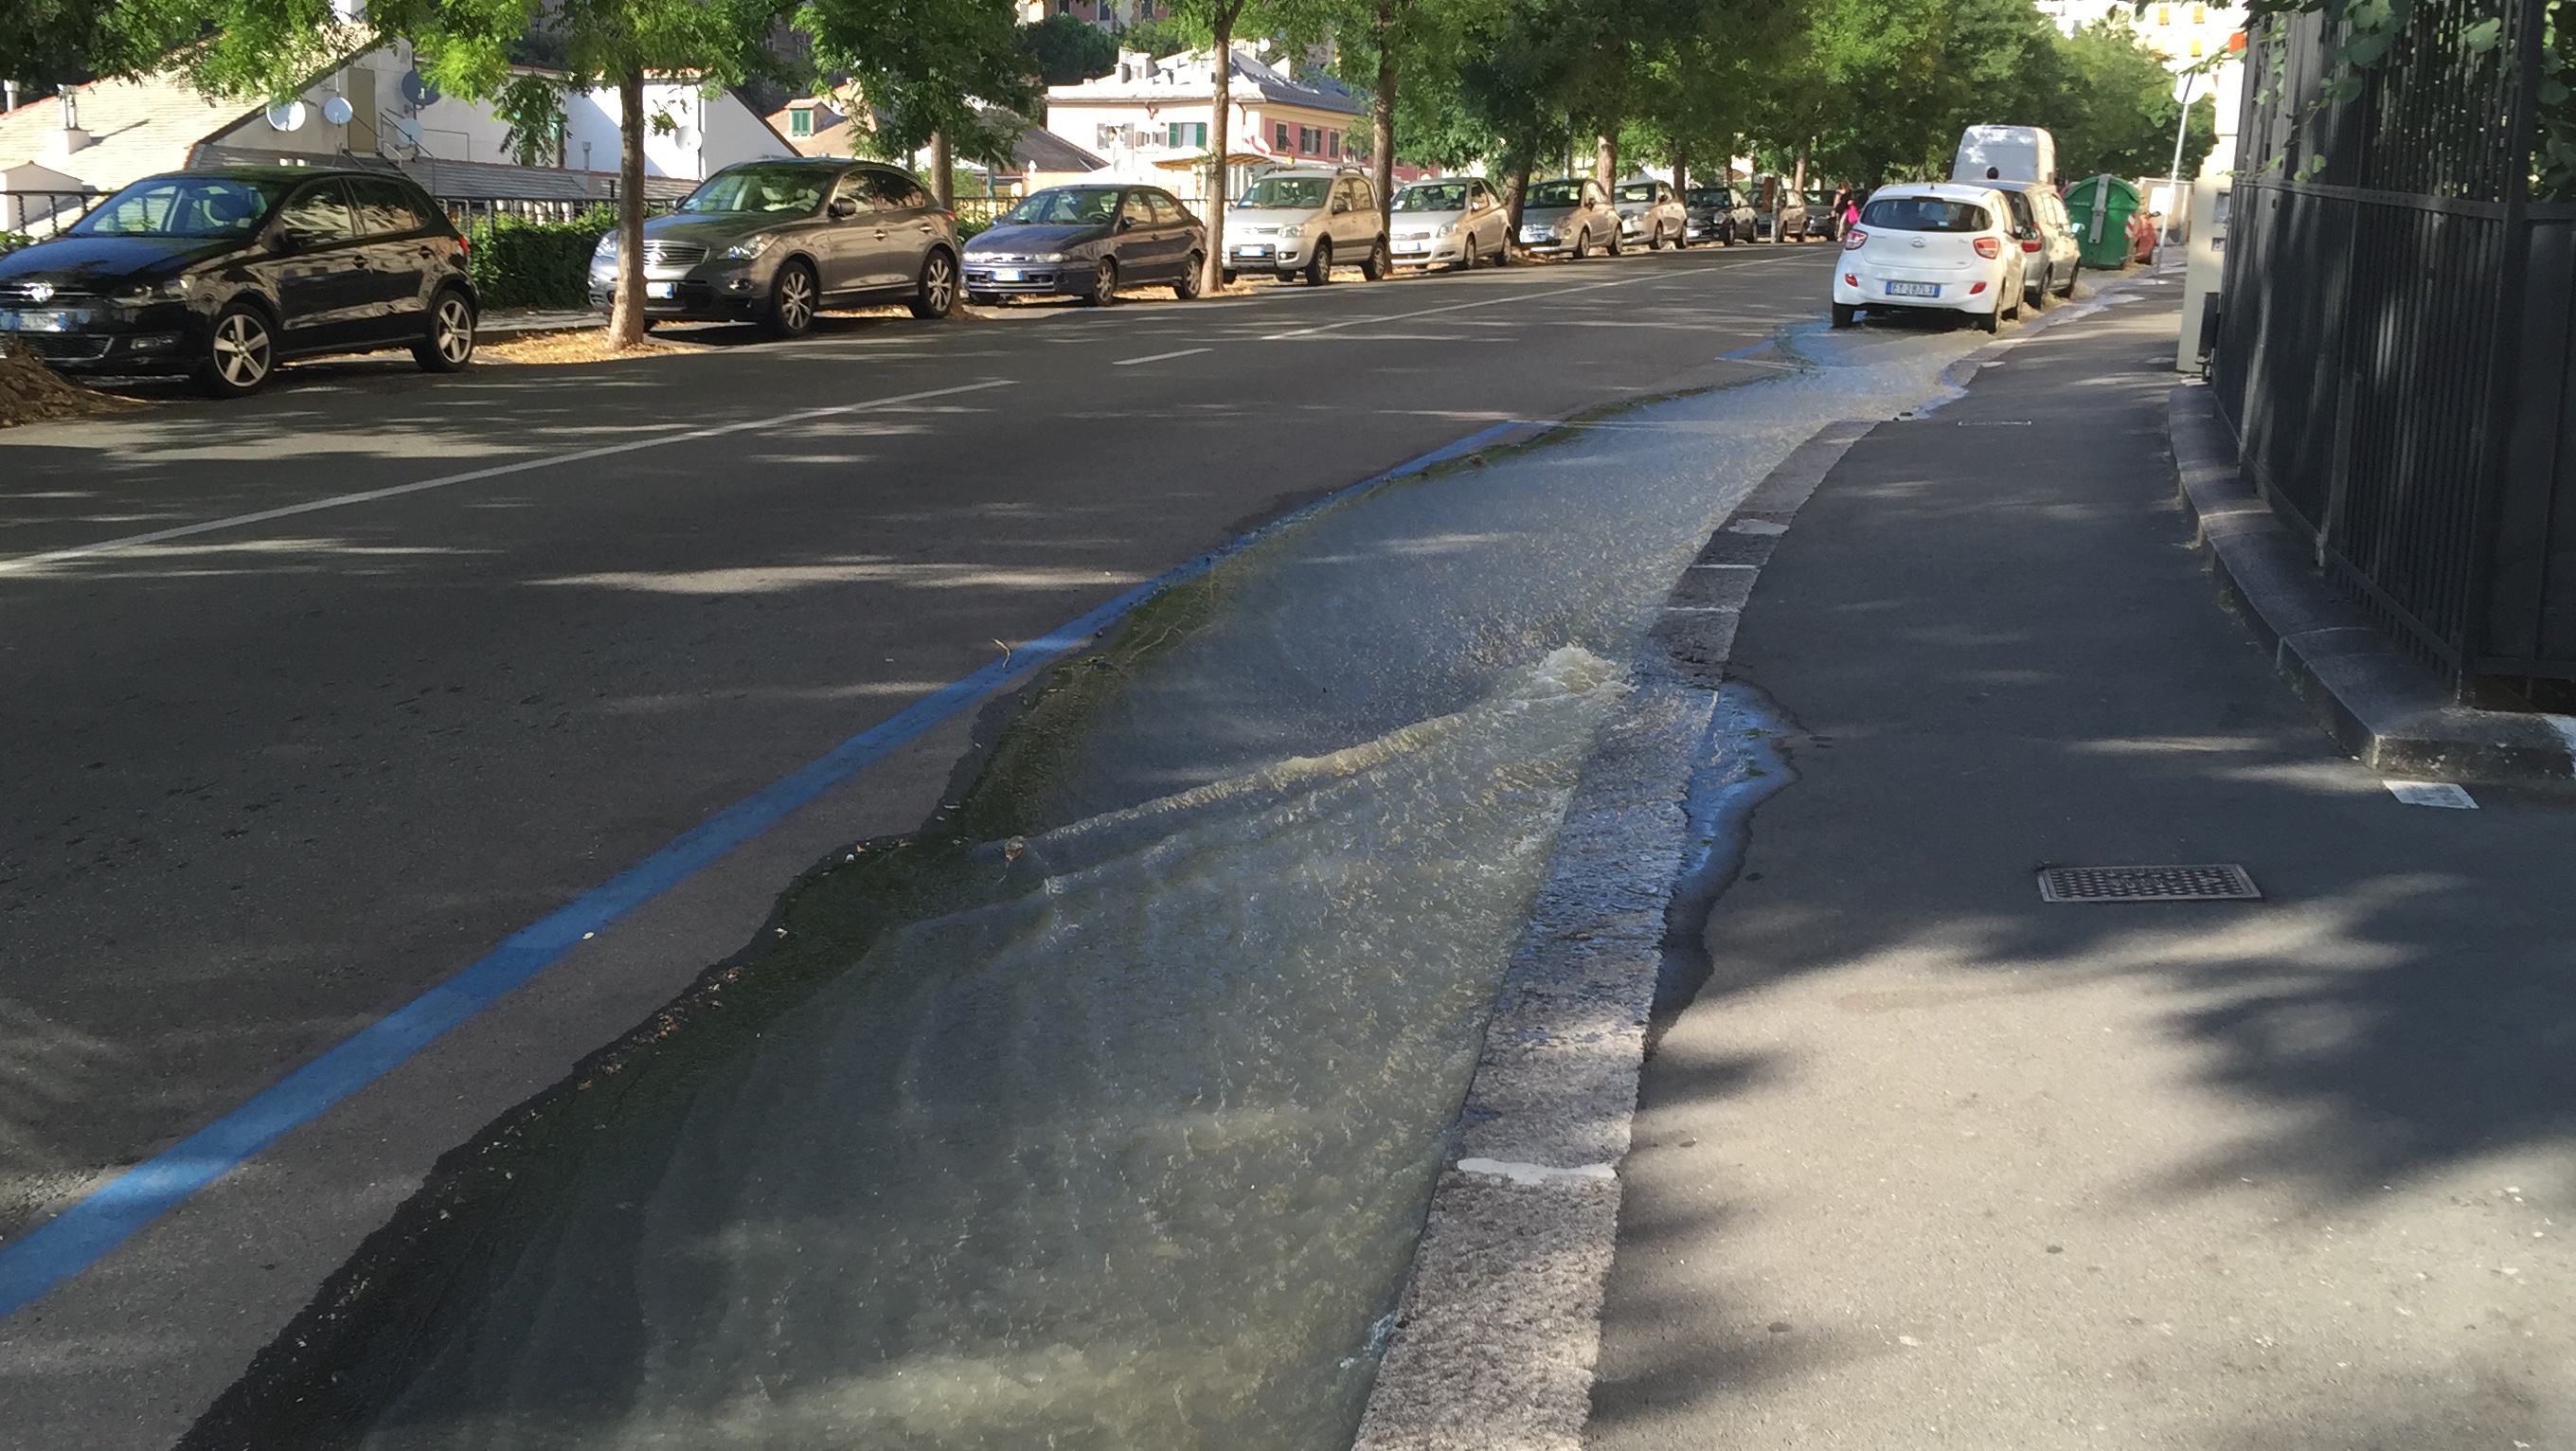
<point>1103,1116</point>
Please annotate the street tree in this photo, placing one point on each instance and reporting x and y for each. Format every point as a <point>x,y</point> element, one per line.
<point>1068,49</point>
<point>947,74</point>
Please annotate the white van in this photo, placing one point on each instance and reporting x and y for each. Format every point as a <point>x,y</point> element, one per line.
<point>2005,153</point>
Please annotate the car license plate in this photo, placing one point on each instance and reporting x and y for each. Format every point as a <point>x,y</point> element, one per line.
<point>40,322</point>
<point>1006,274</point>
<point>1260,251</point>
<point>1914,289</point>
<point>661,289</point>
<point>1413,246</point>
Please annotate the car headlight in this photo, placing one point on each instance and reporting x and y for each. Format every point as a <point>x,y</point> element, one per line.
<point>1050,256</point>
<point>1297,229</point>
<point>1449,230</point>
<point>748,247</point>
<point>161,291</point>
<point>607,246</point>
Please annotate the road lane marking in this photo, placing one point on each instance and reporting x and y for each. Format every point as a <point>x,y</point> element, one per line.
<point>369,496</point>
<point>1159,357</point>
<point>86,1232</point>
<point>1305,332</point>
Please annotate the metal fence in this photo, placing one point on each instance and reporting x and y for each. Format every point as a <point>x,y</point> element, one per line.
<point>2394,333</point>
<point>42,213</point>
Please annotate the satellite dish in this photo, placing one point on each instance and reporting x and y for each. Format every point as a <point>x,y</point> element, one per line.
<point>686,138</point>
<point>337,110</point>
<point>406,130</point>
<point>287,117</point>
<point>419,89</point>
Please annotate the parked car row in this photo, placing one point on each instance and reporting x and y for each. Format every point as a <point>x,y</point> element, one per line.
<point>226,273</point>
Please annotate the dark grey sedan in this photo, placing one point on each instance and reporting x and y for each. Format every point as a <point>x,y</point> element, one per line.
<point>1087,242</point>
<point>773,242</point>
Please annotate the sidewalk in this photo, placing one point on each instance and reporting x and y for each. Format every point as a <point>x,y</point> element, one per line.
<point>1929,1162</point>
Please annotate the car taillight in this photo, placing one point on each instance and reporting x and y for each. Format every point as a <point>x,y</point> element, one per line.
<point>1852,240</point>
<point>1851,279</point>
<point>1990,247</point>
<point>464,244</point>
<point>2031,245</point>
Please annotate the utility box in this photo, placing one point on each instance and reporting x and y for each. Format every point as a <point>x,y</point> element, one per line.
<point>2010,153</point>
<point>2102,206</point>
<point>2205,268</point>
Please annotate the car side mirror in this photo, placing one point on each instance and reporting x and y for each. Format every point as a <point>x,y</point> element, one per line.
<point>1126,224</point>
<point>286,244</point>
<point>845,207</point>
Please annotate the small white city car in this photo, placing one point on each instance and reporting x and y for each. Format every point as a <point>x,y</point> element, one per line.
<point>1943,246</point>
<point>1454,222</point>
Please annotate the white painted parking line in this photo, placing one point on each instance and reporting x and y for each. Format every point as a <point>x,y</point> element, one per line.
<point>2432,793</point>
<point>1158,357</point>
<point>369,496</point>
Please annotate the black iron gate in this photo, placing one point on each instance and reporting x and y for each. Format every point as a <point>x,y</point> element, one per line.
<point>2395,329</point>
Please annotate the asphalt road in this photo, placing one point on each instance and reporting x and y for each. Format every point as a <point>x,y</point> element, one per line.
<point>267,781</point>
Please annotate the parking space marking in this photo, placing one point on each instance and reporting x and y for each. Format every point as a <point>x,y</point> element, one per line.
<point>369,496</point>
<point>1159,357</point>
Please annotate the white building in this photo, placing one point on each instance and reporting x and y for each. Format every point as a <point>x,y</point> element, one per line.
<point>1152,118</point>
<point>374,111</point>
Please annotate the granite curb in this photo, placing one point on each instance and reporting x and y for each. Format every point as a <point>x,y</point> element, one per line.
<point>1500,1325</point>
<point>2373,698</point>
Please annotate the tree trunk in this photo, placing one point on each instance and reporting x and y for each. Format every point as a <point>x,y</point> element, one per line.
<point>1515,197</point>
<point>626,316</point>
<point>1681,172</point>
<point>943,173</point>
<point>1798,176</point>
<point>1382,117</point>
<point>1605,160</point>
<point>1220,142</point>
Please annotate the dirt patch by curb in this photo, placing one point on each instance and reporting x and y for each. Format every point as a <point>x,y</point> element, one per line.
<point>30,392</point>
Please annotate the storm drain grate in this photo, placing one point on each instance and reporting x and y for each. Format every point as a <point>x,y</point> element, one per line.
<point>2214,882</point>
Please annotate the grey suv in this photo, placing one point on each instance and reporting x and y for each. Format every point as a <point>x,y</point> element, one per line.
<point>774,241</point>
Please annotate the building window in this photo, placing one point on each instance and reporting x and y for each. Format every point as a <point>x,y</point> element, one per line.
<point>2199,15</point>
<point>1198,134</point>
<point>2164,15</point>
<point>1307,144</point>
<point>800,122</point>
<point>2195,49</point>
<point>1333,144</point>
<point>1280,138</point>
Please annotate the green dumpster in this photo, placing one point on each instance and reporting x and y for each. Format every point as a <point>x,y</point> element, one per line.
<point>2102,206</point>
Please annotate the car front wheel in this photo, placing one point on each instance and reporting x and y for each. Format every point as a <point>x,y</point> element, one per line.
<point>1319,268</point>
<point>1193,275</point>
<point>241,351</point>
<point>1374,266</point>
<point>449,345</point>
<point>791,302</point>
<point>1104,284</point>
<point>935,295</point>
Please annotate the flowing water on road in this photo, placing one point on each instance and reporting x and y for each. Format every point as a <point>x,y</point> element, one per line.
<point>1105,1115</point>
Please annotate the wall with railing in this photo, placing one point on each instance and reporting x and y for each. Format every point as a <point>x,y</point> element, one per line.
<point>2394,333</point>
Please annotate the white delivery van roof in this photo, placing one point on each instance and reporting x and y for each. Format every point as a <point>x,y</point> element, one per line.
<point>2014,153</point>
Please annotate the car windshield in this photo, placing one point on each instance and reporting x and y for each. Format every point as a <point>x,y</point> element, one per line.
<point>1285,193</point>
<point>1066,206</point>
<point>1925,214</point>
<point>1556,194</point>
<point>183,206</point>
<point>1450,198</point>
<point>1637,192</point>
<point>1708,196</point>
<point>773,190</point>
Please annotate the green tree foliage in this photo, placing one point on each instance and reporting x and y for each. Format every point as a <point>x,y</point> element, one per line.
<point>55,42</point>
<point>925,65</point>
<point>2120,111</point>
<point>1068,49</point>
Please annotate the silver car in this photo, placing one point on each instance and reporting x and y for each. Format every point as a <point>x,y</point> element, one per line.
<point>1650,213</point>
<point>1306,220</point>
<point>1571,216</point>
<point>773,242</point>
<point>1452,221</point>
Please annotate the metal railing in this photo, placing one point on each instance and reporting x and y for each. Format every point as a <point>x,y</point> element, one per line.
<point>40,214</point>
<point>2394,335</point>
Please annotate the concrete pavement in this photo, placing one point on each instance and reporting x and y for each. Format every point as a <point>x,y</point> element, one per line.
<point>1929,1162</point>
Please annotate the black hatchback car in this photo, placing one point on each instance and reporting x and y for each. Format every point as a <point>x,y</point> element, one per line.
<point>223,274</point>
<point>1087,242</point>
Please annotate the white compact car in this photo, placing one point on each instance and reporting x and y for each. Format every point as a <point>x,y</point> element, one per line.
<point>1650,213</point>
<point>1941,246</point>
<point>1449,221</point>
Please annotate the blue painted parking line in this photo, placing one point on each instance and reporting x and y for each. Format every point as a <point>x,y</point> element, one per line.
<point>81,1235</point>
